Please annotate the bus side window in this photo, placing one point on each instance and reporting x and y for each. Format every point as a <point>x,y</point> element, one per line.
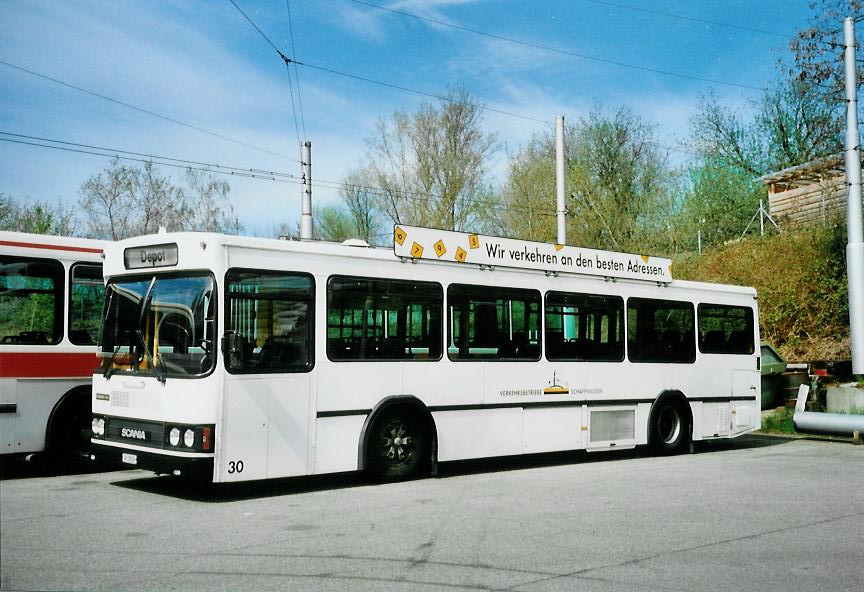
<point>584,327</point>
<point>660,331</point>
<point>493,323</point>
<point>383,319</point>
<point>87,292</point>
<point>267,317</point>
<point>31,300</point>
<point>725,329</point>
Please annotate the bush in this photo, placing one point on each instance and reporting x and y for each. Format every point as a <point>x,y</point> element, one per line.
<point>801,282</point>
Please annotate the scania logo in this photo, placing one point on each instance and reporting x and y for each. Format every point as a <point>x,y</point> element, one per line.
<point>136,434</point>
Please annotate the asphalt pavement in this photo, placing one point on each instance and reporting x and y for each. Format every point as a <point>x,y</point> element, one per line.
<point>754,513</point>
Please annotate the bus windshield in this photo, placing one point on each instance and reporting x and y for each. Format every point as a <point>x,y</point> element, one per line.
<point>163,326</point>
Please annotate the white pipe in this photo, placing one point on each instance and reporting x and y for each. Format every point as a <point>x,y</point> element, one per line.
<point>838,424</point>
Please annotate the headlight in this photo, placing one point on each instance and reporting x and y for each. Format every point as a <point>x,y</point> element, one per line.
<point>174,436</point>
<point>98,426</point>
<point>189,438</point>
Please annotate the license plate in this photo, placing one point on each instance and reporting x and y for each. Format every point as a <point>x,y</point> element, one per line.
<point>129,459</point>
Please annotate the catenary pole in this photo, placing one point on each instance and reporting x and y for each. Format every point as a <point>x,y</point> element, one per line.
<point>854,223</point>
<point>306,214</point>
<point>559,180</point>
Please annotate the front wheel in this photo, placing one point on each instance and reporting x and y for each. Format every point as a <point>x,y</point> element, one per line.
<point>670,428</point>
<point>398,445</point>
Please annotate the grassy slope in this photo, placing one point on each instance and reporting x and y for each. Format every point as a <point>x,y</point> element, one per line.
<point>801,281</point>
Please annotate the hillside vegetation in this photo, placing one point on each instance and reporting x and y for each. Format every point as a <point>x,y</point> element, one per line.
<point>801,281</point>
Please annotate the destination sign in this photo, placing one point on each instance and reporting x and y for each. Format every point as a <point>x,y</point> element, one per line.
<point>150,256</point>
<point>444,245</point>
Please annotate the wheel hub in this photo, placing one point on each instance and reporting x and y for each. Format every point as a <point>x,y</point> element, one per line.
<point>397,445</point>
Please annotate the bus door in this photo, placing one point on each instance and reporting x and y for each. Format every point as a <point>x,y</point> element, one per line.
<point>268,352</point>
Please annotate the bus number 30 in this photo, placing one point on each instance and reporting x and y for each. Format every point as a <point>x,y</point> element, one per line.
<point>235,466</point>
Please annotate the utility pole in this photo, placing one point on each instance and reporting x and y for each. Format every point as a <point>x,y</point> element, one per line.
<point>306,198</point>
<point>559,180</point>
<point>854,224</point>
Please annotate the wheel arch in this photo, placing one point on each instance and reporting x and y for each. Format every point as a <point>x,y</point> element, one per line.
<point>388,403</point>
<point>677,398</point>
<point>63,411</point>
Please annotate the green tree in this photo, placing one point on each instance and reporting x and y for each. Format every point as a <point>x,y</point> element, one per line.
<point>528,195</point>
<point>37,217</point>
<point>720,200</point>
<point>620,188</point>
<point>332,223</point>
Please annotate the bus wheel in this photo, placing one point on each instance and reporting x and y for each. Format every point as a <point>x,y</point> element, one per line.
<point>670,428</point>
<point>397,446</point>
<point>69,439</point>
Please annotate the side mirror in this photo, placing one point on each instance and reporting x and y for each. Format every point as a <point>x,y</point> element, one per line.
<point>232,349</point>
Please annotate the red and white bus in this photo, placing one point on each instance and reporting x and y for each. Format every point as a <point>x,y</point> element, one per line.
<point>51,295</point>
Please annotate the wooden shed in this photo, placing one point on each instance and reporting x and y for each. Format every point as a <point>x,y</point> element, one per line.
<point>809,194</point>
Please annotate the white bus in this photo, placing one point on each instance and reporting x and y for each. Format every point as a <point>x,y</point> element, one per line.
<point>51,297</point>
<point>253,358</point>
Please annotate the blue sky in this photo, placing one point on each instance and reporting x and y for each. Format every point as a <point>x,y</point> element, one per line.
<point>201,63</point>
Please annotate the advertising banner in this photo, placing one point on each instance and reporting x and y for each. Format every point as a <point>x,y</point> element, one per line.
<point>477,249</point>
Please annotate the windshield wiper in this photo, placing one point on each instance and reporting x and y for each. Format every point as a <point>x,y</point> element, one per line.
<point>160,375</point>
<point>110,369</point>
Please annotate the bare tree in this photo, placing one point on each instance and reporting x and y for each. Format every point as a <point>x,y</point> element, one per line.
<point>123,201</point>
<point>430,166</point>
<point>817,50</point>
<point>207,206</point>
<point>108,202</point>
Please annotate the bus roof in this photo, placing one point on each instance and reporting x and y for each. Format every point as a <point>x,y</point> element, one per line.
<point>51,243</point>
<point>187,240</point>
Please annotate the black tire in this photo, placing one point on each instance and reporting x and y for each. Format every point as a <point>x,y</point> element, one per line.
<point>397,446</point>
<point>69,438</point>
<point>670,428</point>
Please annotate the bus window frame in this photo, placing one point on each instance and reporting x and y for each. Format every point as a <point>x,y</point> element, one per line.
<point>450,337</point>
<point>623,328</point>
<point>693,334</point>
<point>59,305</point>
<point>442,313</point>
<point>100,315</point>
<point>310,322</point>
<point>751,322</point>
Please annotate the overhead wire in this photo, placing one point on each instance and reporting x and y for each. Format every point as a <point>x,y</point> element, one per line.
<point>260,174</point>
<point>687,18</point>
<point>285,59</point>
<point>289,61</point>
<point>150,157</point>
<point>296,74</point>
<point>140,109</point>
<point>558,50</point>
<point>237,173</point>
<point>425,94</point>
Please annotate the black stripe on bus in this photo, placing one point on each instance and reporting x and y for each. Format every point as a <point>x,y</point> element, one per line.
<point>536,404</point>
<point>8,408</point>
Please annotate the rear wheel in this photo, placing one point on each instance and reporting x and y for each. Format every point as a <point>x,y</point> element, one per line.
<point>397,446</point>
<point>670,428</point>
